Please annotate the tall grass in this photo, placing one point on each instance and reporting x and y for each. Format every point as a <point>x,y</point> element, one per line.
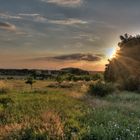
<point>3,88</point>
<point>57,115</point>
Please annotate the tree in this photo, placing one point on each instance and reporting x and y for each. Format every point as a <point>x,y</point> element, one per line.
<point>122,38</point>
<point>126,64</point>
<point>30,81</point>
<point>59,79</point>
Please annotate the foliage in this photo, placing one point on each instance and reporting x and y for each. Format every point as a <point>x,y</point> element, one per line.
<point>4,90</point>
<point>60,85</point>
<point>127,38</point>
<point>97,76</point>
<point>71,77</point>
<point>30,81</point>
<point>57,114</point>
<point>126,65</point>
<point>132,84</point>
<point>101,89</point>
<point>6,101</point>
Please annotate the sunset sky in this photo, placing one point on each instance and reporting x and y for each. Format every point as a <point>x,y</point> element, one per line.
<point>52,34</point>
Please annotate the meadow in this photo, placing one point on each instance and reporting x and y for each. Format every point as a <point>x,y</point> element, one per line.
<point>66,113</point>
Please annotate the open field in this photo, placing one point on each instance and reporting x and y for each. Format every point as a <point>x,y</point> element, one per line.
<point>66,113</point>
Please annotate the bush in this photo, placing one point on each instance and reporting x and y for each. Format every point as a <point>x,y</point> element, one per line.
<point>4,90</point>
<point>101,89</point>
<point>132,84</point>
<point>6,101</point>
<point>60,85</point>
<point>97,76</point>
<point>30,81</point>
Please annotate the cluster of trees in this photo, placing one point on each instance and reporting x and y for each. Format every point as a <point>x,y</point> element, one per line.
<point>71,74</point>
<point>124,69</point>
<point>74,77</point>
<point>126,38</point>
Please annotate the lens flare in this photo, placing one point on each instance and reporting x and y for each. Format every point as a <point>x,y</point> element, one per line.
<point>111,52</point>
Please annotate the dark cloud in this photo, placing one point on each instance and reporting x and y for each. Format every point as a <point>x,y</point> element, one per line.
<point>7,26</point>
<point>73,57</point>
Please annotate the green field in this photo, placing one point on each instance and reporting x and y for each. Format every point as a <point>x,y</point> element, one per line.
<point>66,113</point>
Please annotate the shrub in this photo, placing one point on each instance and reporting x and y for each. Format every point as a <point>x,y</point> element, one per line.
<point>4,90</point>
<point>97,76</point>
<point>101,89</point>
<point>6,101</point>
<point>60,85</point>
<point>30,81</point>
<point>132,84</point>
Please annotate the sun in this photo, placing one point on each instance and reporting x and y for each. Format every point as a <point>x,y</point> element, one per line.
<point>111,52</point>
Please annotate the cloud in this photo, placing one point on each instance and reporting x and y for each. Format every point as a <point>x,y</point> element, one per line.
<point>79,57</point>
<point>86,37</point>
<point>64,2</point>
<point>79,60</point>
<point>73,57</point>
<point>34,16</point>
<point>69,21</point>
<point>29,15</point>
<point>7,16</point>
<point>39,18</point>
<point>7,26</point>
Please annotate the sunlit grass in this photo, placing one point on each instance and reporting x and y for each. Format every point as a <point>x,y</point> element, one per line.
<point>58,114</point>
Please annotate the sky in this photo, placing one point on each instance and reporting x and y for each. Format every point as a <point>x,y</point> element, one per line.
<point>53,34</point>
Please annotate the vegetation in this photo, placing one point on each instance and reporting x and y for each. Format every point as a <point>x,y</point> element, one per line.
<point>132,84</point>
<point>101,89</point>
<point>49,113</point>
<point>30,81</point>
<point>61,108</point>
<point>3,88</point>
<point>124,69</point>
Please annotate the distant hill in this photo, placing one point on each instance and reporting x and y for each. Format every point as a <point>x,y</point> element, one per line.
<point>75,71</point>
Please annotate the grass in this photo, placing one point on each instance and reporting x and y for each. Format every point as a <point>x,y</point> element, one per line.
<point>49,113</point>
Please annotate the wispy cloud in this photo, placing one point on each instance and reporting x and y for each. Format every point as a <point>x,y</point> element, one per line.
<point>8,16</point>
<point>64,2</point>
<point>33,16</point>
<point>40,18</point>
<point>69,21</point>
<point>29,15</point>
<point>86,37</point>
<point>7,26</point>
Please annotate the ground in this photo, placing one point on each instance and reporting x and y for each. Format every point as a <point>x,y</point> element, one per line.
<point>66,113</point>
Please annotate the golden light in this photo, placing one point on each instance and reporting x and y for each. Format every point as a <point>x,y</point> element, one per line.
<point>111,52</point>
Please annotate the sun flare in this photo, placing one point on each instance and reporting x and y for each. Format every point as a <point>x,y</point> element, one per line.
<point>111,52</point>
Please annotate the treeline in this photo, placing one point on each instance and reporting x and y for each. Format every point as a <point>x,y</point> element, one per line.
<point>67,74</point>
<point>25,72</point>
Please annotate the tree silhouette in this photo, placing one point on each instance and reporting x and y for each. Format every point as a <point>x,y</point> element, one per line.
<point>30,81</point>
<point>126,63</point>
